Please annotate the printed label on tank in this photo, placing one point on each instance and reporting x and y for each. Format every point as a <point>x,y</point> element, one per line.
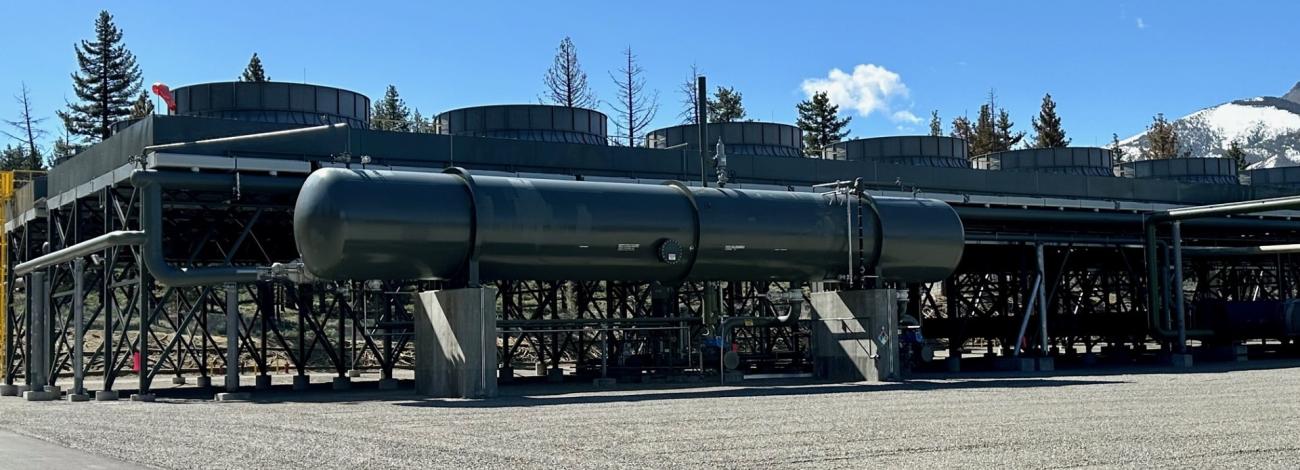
<point>628,246</point>
<point>733,247</point>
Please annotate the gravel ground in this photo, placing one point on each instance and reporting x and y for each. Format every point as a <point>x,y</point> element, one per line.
<point>1211,417</point>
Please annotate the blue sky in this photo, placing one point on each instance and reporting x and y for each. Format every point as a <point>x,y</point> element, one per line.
<point>1109,65</point>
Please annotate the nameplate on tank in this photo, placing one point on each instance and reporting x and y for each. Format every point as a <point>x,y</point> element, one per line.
<point>733,247</point>
<point>628,246</point>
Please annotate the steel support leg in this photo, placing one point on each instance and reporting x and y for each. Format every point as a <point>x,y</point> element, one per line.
<point>78,316</point>
<point>232,337</point>
<point>1181,319</point>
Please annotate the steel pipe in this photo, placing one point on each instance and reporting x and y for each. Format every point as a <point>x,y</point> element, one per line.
<point>88,247</point>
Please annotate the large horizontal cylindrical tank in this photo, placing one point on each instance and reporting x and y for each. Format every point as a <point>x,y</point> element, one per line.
<point>359,224</point>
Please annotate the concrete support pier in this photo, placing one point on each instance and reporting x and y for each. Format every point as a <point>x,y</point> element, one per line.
<point>855,335</point>
<point>455,343</point>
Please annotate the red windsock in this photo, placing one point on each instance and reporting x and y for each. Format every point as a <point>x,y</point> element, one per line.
<point>161,89</point>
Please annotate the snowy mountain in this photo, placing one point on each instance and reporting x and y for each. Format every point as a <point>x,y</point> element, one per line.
<point>1267,128</point>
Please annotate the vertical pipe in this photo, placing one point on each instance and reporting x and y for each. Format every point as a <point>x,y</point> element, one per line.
<point>78,316</point>
<point>36,331</point>
<point>702,122</point>
<point>1178,287</point>
<point>1153,276</point>
<point>1166,288</point>
<point>144,305</point>
<point>1042,302</point>
<point>1029,310</point>
<point>232,337</point>
<point>305,299</point>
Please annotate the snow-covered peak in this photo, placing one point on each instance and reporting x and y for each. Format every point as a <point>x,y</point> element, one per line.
<point>1267,129</point>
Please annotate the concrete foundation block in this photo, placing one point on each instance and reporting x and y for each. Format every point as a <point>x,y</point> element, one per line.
<point>341,383</point>
<point>52,388</point>
<point>144,397</point>
<point>455,343</point>
<point>8,390</point>
<point>263,383</point>
<point>41,396</point>
<point>78,397</point>
<point>301,383</point>
<point>388,384</point>
<point>604,382</point>
<point>1181,361</point>
<point>540,369</point>
<point>354,373</point>
<point>233,396</point>
<point>106,395</point>
<point>23,388</point>
<point>952,364</point>
<point>204,381</point>
<point>555,376</point>
<point>178,380</point>
<point>855,335</point>
<point>1046,364</point>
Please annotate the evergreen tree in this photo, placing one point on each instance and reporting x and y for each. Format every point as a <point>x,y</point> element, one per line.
<point>726,106</point>
<point>1006,138</point>
<point>421,125</point>
<point>142,107</point>
<point>566,83</point>
<point>1047,126</point>
<point>27,126</point>
<point>961,129</point>
<point>391,113</point>
<point>253,72</point>
<point>1116,152</point>
<point>13,158</point>
<point>821,124</point>
<point>690,97</point>
<point>1237,154</point>
<point>64,148</point>
<point>1162,139</point>
<point>984,136</point>
<point>105,85</point>
<point>936,127</point>
<point>635,108</point>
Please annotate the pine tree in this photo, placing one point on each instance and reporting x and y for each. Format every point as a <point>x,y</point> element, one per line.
<point>635,108</point>
<point>1116,152</point>
<point>253,72</point>
<point>106,84</point>
<point>1162,139</point>
<point>1237,154</point>
<point>690,97</point>
<point>726,105</point>
<point>27,126</point>
<point>984,136</point>
<point>566,83</point>
<point>821,124</point>
<point>13,158</point>
<point>1006,138</point>
<point>936,127</point>
<point>142,107</point>
<point>419,124</point>
<point>391,113</point>
<point>1047,126</point>
<point>961,129</point>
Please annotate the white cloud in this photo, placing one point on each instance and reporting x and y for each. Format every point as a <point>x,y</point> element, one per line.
<point>869,89</point>
<point>1141,24</point>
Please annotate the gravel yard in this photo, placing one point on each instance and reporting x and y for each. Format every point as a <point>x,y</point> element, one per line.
<point>1212,416</point>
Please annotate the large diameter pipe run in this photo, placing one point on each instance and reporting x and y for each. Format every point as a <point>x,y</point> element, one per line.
<point>361,224</point>
<point>93,245</point>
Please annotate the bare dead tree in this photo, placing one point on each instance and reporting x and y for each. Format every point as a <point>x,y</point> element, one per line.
<point>635,107</point>
<point>690,97</point>
<point>27,126</point>
<point>566,83</point>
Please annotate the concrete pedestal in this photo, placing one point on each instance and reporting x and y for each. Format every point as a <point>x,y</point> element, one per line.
<point>145,397</point>
<point>555,376</point>
<point>78,397</point>
<point>106,395</point>
<point>455,343</point>
<point>855,335</point>
<point>42,395</point>
<point>8,390</point>
<point>354,373</point>
<point>204,381</point>
<point>232,396</point>
<point>1046,364</point>
<point>263,383</point>
<point>178,380</point>
<point>301,383</point>
<point>342,383</point>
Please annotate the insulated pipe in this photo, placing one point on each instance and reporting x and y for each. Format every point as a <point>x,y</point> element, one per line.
<point>296,133</point>
<point>367,224</point>
<point>1135,221</point>
<point>1229,208</point>
<point>94,245</point>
